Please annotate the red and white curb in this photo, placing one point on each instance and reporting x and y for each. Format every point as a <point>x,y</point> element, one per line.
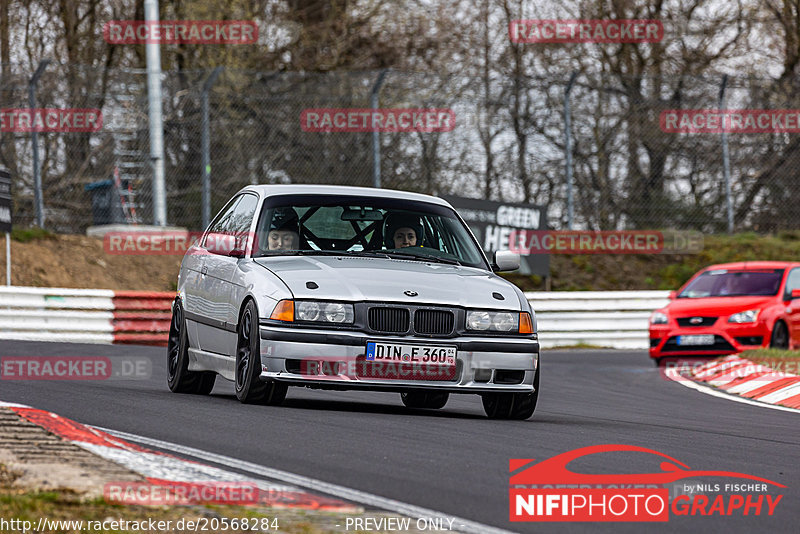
<point>753,383</point>
<point>159,468</point>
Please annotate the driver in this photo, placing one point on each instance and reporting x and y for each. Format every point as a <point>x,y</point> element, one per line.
<point>284,231</point>
<point>403,230</point>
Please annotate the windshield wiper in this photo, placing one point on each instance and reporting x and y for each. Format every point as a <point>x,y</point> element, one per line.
<point>436,259</point>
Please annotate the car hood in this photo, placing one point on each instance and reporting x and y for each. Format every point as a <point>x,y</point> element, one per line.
<point>715,306</point>
<point>386,280</point>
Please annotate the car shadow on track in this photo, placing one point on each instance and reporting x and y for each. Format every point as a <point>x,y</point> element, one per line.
<point>363,407</point>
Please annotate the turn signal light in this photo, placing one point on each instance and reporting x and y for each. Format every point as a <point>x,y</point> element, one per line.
<point>284,311</point>
<point>525,324</point>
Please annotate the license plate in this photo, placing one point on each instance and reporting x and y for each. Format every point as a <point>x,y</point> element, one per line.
<point>414,354</point>
<point>698,339</point>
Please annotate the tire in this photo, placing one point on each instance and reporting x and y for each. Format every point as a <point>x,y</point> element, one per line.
<point>250,389</point>
<point>659,362</point>
<point>424,399</point>
<point>516,406</point>
<point>179,378</point>
<point>780,336</point>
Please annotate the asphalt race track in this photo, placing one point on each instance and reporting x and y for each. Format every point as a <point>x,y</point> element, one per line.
<point>454,460</point>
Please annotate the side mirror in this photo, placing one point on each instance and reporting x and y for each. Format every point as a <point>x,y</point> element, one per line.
<point>505,260</point>
<point>672,295</point>
<point>795,293</point>
<point>224,245</point>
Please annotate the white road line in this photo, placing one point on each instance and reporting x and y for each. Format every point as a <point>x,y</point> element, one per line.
<point>408,510</point>
<point>675,376</point>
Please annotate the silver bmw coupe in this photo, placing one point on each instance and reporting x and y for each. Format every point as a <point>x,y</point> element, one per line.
<point>351,288</point>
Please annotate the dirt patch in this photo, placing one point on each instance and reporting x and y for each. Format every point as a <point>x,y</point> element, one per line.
<point>76,261</point>
<point>80,262</point>
<point>34,459</point>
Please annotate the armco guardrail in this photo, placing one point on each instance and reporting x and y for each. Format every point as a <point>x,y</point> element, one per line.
<point>616,319</point>
<point>84,315</point>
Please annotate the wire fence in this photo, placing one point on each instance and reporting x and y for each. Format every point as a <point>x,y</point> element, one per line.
<point>507,143</point>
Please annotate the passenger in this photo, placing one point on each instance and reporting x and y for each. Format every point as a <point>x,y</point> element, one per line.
<point>284,231</point>
<point>403,231</point>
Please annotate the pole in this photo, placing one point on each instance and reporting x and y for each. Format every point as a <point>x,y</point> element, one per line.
<point>8,259</point>
<point>376,145</point>
<point>568,148</point>
<point>37,176</point>
<point>153,54</point>
<point>206,148</point>
<point>726,160</point>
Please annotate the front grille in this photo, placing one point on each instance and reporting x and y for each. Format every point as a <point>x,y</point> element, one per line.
<point>434,322</point>
<point>390,320</point>
<point>719,345</point>
<point>706,321</point>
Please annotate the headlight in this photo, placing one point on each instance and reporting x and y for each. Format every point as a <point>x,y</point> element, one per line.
<point>659,318</point>
<point>496,321</point>
<point>312,311</point>
<point>748,316</point>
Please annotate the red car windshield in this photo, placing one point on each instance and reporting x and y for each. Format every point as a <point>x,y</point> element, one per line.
<point>729,283</point>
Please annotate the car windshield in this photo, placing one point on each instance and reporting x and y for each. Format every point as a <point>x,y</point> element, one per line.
<point>731,283</point>
<point>357,225</point>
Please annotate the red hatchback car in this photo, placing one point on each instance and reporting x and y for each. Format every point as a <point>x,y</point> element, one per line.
<point>728,308</point>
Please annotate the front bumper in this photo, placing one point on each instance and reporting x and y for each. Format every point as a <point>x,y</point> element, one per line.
<point>334,359</point>
<point>728,339</point>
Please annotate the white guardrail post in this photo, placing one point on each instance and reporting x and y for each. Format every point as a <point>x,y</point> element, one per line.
<point>613,319</point>
<point>56,314</point>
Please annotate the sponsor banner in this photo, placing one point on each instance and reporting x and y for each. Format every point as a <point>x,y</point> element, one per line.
<point>377,120</point>
<point>585,31</point>
<point>181,493</point>
<point>181,32</point>
<point>6,202</point>
<point>50,120</point>
<point>730,121</point>
<point>493,222</point>
<point>75,368</point>
<point>548,490</point>
<point>527,242</point>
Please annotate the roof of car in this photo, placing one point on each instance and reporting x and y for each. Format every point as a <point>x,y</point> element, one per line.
<point>746,265</point>
<point>312,189</point>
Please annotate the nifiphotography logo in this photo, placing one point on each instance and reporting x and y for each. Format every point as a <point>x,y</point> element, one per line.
<point>549,491</point>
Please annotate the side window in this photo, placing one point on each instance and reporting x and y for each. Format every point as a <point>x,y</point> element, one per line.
<point>236,219</point>
<point>222,223</point>
<point>243,215</point>
<point>792,281</point>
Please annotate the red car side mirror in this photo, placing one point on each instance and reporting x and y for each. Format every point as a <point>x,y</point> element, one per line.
<point>796,293</point>
<point>672,295</point>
